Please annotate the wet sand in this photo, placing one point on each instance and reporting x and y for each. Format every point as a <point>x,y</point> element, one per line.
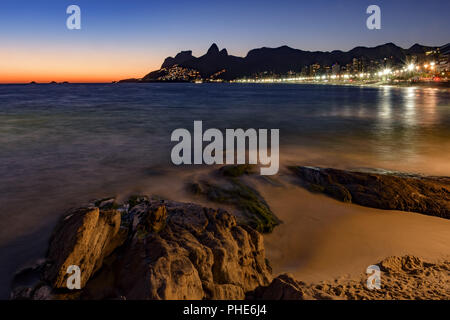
<point>320,239</point>
<point>66,146</point>
<point>324,239</point>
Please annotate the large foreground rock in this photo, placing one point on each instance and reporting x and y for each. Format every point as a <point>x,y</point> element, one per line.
<point>149,249</point>
<point>381,189</point>
<point>83,238</point>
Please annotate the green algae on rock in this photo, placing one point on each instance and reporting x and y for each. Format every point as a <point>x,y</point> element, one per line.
<point>234,191</point>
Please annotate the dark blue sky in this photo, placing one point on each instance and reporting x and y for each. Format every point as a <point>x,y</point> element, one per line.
<point>145,32</point>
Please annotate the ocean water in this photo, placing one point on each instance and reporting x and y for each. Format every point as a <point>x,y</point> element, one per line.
<point>61,145</point>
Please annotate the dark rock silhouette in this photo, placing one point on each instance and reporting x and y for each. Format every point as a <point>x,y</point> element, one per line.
<point>180,58</point>
<point>279,60</point>
<point>213,50</point>
<point>381,189</point>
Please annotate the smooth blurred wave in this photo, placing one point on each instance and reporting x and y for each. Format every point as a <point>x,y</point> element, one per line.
<point>61,145</point>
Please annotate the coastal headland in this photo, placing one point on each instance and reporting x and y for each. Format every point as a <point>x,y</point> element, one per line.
<point>383,64</point>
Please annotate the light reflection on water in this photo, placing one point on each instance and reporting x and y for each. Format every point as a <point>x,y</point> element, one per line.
<point>386,106</point>
<point>94,135</point>
<point>410,107</point>
<point>61,145</point>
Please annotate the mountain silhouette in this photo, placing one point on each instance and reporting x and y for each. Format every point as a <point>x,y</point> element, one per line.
<point>181,57</point>
<point>279,60</point>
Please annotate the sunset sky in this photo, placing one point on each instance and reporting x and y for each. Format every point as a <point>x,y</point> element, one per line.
<point>123,39</point>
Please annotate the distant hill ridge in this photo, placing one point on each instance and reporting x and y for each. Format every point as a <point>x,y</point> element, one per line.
<point>280,60</point>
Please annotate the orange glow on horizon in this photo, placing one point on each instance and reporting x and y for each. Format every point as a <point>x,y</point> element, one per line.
<point>63,77</point>
<point>85,65</point>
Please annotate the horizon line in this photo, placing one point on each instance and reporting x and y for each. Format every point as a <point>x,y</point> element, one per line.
<point>30,81</point>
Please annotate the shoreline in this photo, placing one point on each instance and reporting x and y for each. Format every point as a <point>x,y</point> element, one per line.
<point>426,85</point>
<point>335,241</point>
<point>111,170</point>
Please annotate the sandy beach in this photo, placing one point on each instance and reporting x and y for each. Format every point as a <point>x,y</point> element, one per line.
<point>323,239</point>
<point>319,239</point>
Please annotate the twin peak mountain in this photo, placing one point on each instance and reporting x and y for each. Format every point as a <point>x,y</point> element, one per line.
<point>218,63</point>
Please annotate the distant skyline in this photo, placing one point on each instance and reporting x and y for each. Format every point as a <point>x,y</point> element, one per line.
<point>122,39</point>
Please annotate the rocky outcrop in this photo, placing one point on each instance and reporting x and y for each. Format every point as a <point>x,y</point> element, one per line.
<point>199,254</point>
<point>381,189</point>
<point>228,188</point>
<point>180,58</point>
<point>283,287</point>
<point>83,238</point>
<point>406,277</point>
<point>149,249</point>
